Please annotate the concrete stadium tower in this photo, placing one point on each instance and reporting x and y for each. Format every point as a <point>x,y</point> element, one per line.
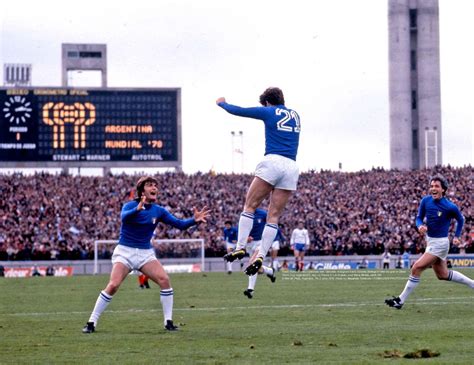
<point>414,83</point>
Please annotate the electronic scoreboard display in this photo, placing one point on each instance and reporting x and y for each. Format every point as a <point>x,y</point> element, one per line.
<point>96,126</point>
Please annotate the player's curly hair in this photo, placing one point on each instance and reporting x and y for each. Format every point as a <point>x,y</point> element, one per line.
<point>442,180</point>
<point>272,95</point>
<point>141,184</point>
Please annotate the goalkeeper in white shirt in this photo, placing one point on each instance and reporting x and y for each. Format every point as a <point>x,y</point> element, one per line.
<point>299,243</point>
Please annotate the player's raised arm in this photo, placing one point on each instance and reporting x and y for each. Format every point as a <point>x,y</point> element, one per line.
<point>141,204</point>
<point>129,210</point>
<point>201,215</point>
<point>252,112</point>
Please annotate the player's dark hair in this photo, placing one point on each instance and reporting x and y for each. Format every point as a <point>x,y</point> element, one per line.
<point>141,184</point>
<point>228,222</point>
<point>272,95</point>
<point>442,180</point>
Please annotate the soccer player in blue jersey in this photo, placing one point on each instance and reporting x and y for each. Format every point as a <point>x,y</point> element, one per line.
<point>253,246</point>
<point>275,177</point>
<point>433,220</point>
<point>230,239</point>
<point>134,251</point>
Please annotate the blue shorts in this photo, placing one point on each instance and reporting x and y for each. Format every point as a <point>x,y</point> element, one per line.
<point>300,247</point>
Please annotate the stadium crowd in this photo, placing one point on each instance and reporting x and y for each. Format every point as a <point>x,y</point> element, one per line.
<point>51,217</point>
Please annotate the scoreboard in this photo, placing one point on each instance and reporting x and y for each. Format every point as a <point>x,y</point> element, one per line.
<point>90,127</point>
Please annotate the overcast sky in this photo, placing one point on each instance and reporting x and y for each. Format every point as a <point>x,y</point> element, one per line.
<point>329,57</point>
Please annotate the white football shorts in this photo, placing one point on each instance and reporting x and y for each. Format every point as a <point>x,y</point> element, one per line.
<point>280,172</point>
<point>133,258</point>
<point>250,248</point>
<point>275,245</point>
<point>438,247</point>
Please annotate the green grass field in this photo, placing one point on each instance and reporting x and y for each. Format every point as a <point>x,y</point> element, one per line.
<point>315,317</point>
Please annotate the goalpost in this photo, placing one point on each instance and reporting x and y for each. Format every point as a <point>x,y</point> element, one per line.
<point>155,243</point>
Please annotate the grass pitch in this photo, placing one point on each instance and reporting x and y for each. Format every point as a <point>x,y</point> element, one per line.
<point>336,317</point>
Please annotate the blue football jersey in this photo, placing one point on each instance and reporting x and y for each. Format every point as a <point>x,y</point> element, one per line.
<point>259,221</point>
<point>138,226</point>
<point>282,127</point>
<point>438,214</point>
<point>230,235</point>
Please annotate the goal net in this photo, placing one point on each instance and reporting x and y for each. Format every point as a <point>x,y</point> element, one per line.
<point>180,255</point>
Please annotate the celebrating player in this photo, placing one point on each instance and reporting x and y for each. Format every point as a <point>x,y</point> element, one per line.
<point>276,176</point>
<point>134,251</point>
<point>433,220</point>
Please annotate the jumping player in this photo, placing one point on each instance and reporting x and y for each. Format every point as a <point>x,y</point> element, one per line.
<point>275,177</point>
<point>433,220</point>
<point>134,251</point>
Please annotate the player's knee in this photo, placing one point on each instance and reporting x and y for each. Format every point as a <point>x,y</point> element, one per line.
<point>164,282</point>
<point>442,275</point>
<point>112,287</point>
<point>250,206</point>
<point>416,270</point>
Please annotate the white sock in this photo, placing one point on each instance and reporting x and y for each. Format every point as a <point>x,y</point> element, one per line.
<point>411,284</point>
<point>166,298</point>
<point>229,266</point>
<point>268,236</point>
<point>276,264</point>
<point>102,302</point>
<point>267,270</point>
<point>457,277</point>
<point>252,281</point>
<point>245,226</point>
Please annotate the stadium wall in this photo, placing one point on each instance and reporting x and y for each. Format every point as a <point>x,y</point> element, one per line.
<point>86,267</point>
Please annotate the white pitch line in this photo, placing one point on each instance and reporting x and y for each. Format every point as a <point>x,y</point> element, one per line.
<point>421,301</point>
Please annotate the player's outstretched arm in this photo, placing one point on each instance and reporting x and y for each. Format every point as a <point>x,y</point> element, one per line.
<point>252,112</point>
<point>201,215</point>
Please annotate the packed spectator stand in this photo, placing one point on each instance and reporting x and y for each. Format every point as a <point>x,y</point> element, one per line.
<point>52,217</point>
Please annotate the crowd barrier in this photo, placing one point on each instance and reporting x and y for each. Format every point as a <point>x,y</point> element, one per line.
<point>86,267</point>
